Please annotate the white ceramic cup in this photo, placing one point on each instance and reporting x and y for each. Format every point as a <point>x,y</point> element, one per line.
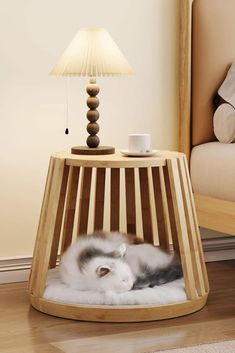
<point>139,143</point>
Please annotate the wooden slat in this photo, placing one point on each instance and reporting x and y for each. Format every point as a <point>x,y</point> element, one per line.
<point>165,206</point>
<point>122,205</point>
<point>185,77</point>
<point>99,199</point>
<point>192,235</point>
<point>206,282</point>
<point>130,200</point>
<point>84,201</point>
<point>59,218</point>
<point>171,213</point>
<point>34,267</point>
<point>153,212</point>
<point>145,205</point>
<point>70,208</point>
<point>164,240</point>
<point>115,199</point>
<point>185,253</point>
<point>139,221</point>
<point>47,227</point>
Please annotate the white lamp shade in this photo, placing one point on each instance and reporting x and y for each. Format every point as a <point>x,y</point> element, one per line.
<point>92,53</point>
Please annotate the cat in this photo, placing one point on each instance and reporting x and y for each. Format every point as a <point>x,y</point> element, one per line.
<point>116,262</point>
<point>95,262</point>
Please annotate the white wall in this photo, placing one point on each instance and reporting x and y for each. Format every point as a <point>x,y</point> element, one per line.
<point>33,34</point>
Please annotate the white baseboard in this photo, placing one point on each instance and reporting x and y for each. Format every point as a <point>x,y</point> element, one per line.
<point>18,269</point>
<point>15,269</point>
<point>219,249</point>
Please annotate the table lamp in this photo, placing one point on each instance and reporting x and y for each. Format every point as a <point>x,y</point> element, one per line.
<point>92,53</point>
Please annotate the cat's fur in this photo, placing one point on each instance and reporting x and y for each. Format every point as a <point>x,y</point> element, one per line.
<point>95,262</point>
<point>150,277</point>
<point>116,262</point>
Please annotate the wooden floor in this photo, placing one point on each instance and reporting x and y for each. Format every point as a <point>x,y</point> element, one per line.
<point>24,330</point>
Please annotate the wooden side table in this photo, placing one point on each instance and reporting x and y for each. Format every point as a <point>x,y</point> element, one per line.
<point>150,197</point>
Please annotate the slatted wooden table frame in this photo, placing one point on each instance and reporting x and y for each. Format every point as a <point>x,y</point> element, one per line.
<point>151,197</point>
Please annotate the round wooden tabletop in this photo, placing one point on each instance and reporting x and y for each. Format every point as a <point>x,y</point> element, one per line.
<point>117,160</point>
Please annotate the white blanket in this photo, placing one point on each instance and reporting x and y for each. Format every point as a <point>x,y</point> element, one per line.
<point>165,294</point>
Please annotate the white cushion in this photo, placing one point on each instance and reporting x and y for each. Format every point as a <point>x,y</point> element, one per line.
<point>168,293</point>
<point>224,123</point>
<point>213,170</point>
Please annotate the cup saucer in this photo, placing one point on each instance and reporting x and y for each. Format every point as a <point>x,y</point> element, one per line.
<point>139,154</point>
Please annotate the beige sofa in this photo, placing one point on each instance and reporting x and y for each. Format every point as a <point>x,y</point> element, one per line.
<point>207,50</point>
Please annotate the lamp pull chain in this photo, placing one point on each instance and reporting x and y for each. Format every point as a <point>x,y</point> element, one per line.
<point>67,107</point>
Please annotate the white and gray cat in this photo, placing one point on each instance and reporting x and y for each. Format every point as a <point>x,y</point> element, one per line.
<point>116,262</point>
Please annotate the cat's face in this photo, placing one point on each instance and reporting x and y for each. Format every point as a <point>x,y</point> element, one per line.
<point>115,276</point>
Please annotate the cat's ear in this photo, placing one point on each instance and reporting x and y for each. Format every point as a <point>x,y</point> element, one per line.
<point>122,250</point>
<point>103,270</point>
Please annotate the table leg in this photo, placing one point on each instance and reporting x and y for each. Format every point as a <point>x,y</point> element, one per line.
<point>47,225</point>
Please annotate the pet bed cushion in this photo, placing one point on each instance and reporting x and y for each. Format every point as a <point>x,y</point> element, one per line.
<point>168,293</point>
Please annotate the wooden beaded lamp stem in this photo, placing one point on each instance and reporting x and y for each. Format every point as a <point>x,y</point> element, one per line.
<point>92,53</point>
<point>93,128</point>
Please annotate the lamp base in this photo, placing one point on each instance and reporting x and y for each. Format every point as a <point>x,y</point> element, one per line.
<point>95,151</point>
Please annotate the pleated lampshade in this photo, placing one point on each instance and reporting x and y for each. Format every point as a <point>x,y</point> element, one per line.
<point>92,53</point>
